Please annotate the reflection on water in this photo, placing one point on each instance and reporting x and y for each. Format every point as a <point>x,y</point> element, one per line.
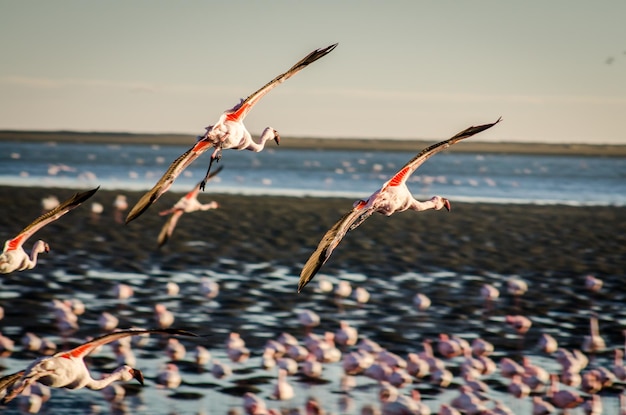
<point>259,301</point>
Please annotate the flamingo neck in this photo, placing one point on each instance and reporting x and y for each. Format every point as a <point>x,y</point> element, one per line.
<point>118,374</point>
<point>426,205</point>
<point>258,145</point>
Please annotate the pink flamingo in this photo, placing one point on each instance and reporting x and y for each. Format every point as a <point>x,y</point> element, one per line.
<point>68,369</point>
<point>169,376</point>
<point>547,343</point>
<point>562,399</point>
<point>421,301</point>
<point>619,370</point>
<point>521,324</point>
<point>228,132</point>
<point>592,283</point>
<point>186,204</point>
<point>346,335</point>
<point>15,258</point>
<point>393,196</point>
<point>283,391</point>
<point>593,343</point>
<point>541,407</point>
<point>447,347</point>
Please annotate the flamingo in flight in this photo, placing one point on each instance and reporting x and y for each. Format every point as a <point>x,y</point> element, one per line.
<point>187,204</point>
<point>228,132</point>
<point>15,258</point>
<point>393,196</point>
<point>68,369</point>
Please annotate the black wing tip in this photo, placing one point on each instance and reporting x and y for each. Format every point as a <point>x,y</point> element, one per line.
<point>140,207</point>
<point>82,196</point>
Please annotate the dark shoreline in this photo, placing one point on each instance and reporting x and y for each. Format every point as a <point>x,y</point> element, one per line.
<point>473,238</point>
<point>355,144</point>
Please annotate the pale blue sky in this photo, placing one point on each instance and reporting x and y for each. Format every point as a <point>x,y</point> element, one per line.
<point>403,69</point>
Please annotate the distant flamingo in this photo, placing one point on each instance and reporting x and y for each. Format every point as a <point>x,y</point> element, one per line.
<point>516,286</point>
<point>547,343</point>
<point>186,204</point>
<point>592,283</point>
<point>346,335</point>
<point>283,391</point>
<point>593,343</point>
<point>393,196</point>
<point>521,324</point>
<point>120,204</point>
<point>228,133</point>
<point>68,369</point>
<point>169,376</point>
<point>48,203</point>
<point>421,301</point>
<point>220,370</point>
<point>541,407</point>
<point>562,399</point>
<point>14,258</point>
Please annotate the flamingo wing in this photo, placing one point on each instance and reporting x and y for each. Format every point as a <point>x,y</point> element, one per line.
<point>166,181</point>
<point>86,348</point>
<point>241,110</point>
<point>8,381</point>
<point>48,217</point>
<point>403,174</point>
<point>168,227</point>
<point>331,239</point>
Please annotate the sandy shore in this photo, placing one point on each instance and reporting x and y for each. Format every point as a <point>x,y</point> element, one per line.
<point>500,146</point>
<point>472,238</point>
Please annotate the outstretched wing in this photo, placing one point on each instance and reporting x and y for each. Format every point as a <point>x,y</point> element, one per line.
<point>166,181</point>
<point>331,239</point>
<point>241,110</point>
<point>403,174</point>
<point>48,217</point>
<point>86,348</point>
<point>168,227</point>
<point>6,382</point>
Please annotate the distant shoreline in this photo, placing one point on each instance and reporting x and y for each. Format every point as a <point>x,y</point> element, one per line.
<point>184,140</point>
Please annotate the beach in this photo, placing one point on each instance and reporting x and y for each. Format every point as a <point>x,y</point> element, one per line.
<point>255,246</point>
<point>505,239</point>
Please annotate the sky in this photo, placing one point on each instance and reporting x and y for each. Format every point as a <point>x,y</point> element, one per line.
<point>554,70</point>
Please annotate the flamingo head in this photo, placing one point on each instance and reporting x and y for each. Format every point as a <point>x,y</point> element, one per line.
<point>276,137</point>
<point>136,373</point>
<point>441,202</point>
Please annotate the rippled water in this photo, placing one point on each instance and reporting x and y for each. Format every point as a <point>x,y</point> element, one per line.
<point>258,301</point>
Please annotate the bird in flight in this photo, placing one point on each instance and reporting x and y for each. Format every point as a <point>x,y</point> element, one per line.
<point>229,132</point>
<point>68,369</point>
<point>15,258</point>
<point>187,204</point>
<point>393,196</point>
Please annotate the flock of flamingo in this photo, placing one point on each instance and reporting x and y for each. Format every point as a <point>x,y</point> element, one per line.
<point>67,369</point>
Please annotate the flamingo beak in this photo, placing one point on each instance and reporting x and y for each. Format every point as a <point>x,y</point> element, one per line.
<point>277,139</point>
<point>138,375</point>
<point>446,204</point>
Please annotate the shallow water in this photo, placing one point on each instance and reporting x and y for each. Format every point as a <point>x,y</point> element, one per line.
<point>499,178</point>
<point>259,302</point>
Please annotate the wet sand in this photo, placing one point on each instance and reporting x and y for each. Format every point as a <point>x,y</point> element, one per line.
<point>255,246</point>
<point>505,239</point>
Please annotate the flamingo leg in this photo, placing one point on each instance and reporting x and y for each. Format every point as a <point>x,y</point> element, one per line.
<point>216,156</point>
